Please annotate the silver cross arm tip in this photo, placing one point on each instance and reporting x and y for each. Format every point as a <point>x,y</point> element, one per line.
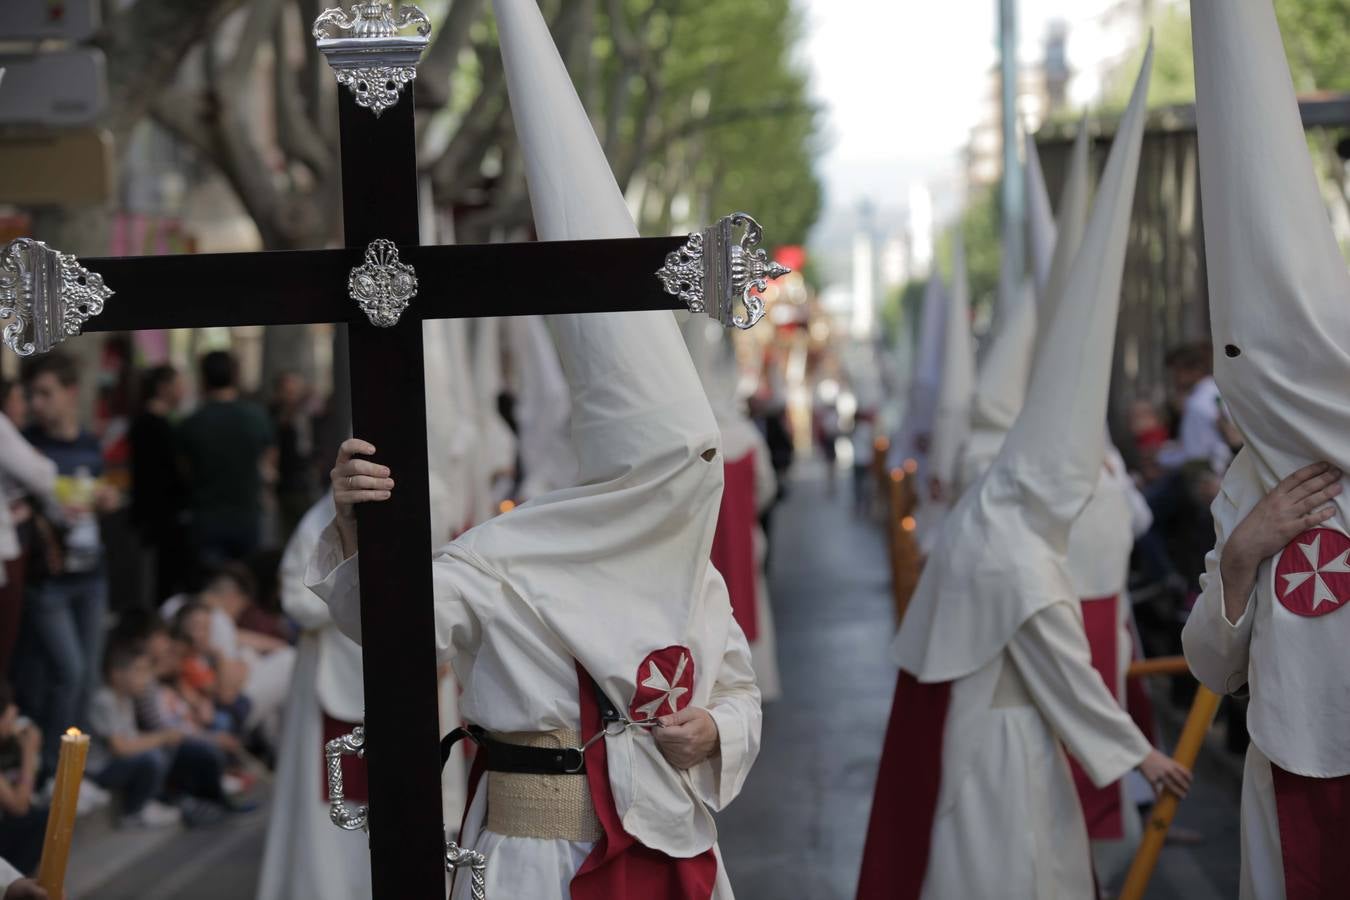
<point>367,52</point>
<point>713,271</point>
<point>46,296</point>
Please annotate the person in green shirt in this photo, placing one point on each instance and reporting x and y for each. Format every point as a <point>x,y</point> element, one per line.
<point>226,444</point>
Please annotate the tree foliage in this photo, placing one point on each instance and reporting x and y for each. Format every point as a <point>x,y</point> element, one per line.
<point>691,115</point>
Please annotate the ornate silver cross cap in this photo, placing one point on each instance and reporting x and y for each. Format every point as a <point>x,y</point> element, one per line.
<point>348,818</point>
<point>382,286</point>
<point>713,271</point>
<point>457,857</point>
<point>366,51</point>
<point>48,295</point>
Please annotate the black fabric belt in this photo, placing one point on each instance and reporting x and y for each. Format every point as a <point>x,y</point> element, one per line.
<point>499,756</point>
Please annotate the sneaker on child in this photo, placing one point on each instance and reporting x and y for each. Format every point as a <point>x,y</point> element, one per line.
<point>153,815</point>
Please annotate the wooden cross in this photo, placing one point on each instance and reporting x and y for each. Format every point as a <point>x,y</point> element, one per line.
<point>382,285</point>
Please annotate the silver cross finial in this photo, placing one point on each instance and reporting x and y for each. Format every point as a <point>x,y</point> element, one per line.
<point>366,51</point>
<point>713,271</point>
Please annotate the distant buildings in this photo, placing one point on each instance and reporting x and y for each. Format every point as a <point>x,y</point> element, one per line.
<point>1076,59</point>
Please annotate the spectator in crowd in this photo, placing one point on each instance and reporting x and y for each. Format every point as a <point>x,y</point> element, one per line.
<point>225,444</point>
<point>14,403</point>
<point>22,823</point>
<point>294,424</point>
<point>1191,368</point>
<point>26,477</point>
<point>143,766</point>
<point>157,490</point>
<point>260,663</point>
<point>864,451</point>
<point>65,610</point>
<point>1149,435</point>
<point>210,685</point>
<point>122,758</point>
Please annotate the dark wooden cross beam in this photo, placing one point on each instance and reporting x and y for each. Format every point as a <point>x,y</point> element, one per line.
<point>49,296</point>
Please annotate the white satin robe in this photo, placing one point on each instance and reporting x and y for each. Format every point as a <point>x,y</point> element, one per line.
<point>1008,821</point>
<point>517,676</point>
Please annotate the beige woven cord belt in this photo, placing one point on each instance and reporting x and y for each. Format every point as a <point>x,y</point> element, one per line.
<point>551,807</point>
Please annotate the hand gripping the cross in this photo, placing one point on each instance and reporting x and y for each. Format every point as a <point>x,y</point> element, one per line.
<point>356,481</point>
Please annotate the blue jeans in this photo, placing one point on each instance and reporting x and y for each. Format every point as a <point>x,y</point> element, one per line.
<point>65,619</point>
<point>136,780</point>
<point>191,769</point>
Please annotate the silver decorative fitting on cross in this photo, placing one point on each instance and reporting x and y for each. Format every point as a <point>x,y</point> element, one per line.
<point>713,271</point>
<point>348,818</point>
<point>366,51</point>
<point>457,857</point>
<point>48,295</point>
<point>382,286</point>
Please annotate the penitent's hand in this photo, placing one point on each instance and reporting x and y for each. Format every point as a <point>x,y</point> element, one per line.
<point>356,481</point>
<point>25,889</point>
<point>1165,773</point>
<point>687,738</point>
<point>1298,503</point>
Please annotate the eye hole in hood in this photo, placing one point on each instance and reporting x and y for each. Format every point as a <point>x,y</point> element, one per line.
<point>709,455</point>
<point>1232,351</point>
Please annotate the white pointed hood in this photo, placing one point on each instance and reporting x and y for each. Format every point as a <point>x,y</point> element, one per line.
<point>1001,385</point>
<point>926,372</point>
<point>1000,388</point>
<point>1001,555</point>
<point>617,567</point>
<point>497,440</point>
<point>452,429</point>
<point>714,357</point>
<point>951,420</point>
<point>1072,219</point>
<point>1040,221</point>
<point>1278,286</point>
<point>543,408</point>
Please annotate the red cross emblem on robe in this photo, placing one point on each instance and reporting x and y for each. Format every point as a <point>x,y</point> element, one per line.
<point>1312,574</point>
<point>665,684</point>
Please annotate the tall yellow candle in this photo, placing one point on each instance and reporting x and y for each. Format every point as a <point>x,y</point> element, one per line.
<point>61,816</point>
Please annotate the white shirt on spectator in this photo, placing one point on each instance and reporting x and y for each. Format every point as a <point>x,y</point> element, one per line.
<point>1200,437</point>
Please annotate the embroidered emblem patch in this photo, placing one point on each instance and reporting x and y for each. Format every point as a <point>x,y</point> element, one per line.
<point>665,684</point>
<point>1312,574</point>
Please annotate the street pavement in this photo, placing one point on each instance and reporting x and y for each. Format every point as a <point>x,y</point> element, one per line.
<point>797,830</point>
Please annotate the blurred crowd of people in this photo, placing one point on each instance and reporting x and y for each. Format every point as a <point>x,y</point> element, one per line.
<point>180,680</point>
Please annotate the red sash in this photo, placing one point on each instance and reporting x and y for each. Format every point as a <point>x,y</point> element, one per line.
<point>1314,816</point>
<point>900,832</point>
<point>618,865</point>
<point>355,787</point>
<point>1101,806</point>
<point>733,547</point>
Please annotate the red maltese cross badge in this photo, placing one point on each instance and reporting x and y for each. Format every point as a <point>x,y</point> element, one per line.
<point>1312,574</point>
<point>665,684</point>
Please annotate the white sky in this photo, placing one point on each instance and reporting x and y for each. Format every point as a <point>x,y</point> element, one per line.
<point>903,82</point>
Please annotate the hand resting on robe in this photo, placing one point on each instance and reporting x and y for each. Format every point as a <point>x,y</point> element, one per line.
<point>1297,503</point>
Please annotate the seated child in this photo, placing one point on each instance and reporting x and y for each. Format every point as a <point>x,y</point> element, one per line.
<point>142,766</point>
<point>22,823</point>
